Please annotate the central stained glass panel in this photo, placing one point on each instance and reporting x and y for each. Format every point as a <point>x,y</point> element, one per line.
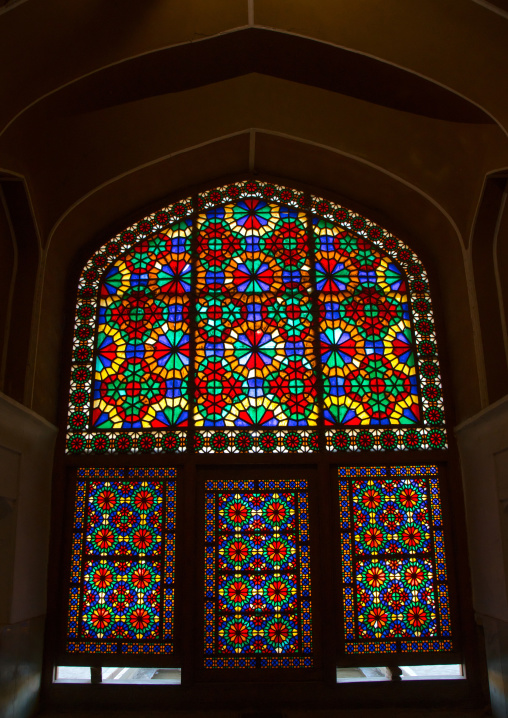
<point>255,362</point>
<point>257,582</point>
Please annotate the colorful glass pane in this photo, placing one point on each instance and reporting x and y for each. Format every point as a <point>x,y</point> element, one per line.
<point>142,351</point>
<point>123,562</point>
<point>367,355</point>
<point>395,589</point>
<point>289,319</point>
<point>254,346</point>
<point>257,582</point>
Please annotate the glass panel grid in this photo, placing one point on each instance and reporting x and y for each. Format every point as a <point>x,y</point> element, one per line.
<point>123,561</point>
<point>395,591</point>
<point>257,575</point>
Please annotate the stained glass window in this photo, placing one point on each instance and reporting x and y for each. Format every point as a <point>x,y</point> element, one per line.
<point>254,318</point>
<point>255,364</point>
<point>121,597</point>
<point>395,592</point>
<point>257,574</point>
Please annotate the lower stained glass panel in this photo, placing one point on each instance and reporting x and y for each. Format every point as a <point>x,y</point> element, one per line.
<point>123,559</point>
<point>257,580</point>
<point>395,591</point>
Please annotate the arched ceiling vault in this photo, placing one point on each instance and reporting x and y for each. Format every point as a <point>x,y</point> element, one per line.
<point>67,145</point>
<point>115,90</point>
<point>398,108</point>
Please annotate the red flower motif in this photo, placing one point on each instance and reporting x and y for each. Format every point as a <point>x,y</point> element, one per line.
<point>408,498</point>
<point>278,632</point>
<point>104,539</point>
<point>237,512</point>
<point>276,551</point>
<point>102,577</point>
<point>371,499</point>
<point>143,500</point>
<point>141,578</point>
<point>237,591</point>
<point>377,617</point>
<point>140,619</point>
<point>276,512</point>
<point>411,536</point>
<point>277,591</point>
<point>414,575</point>
<point>416,616</point>
<point>237,551</point>
<point>142,539</point>
<point>100,618</point>
<point>373,537</point>
<point>238,633</point>
<point>375,576</point>
<point>106,500</point>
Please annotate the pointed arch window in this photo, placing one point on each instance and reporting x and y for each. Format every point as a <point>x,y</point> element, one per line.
<point>256,319</point>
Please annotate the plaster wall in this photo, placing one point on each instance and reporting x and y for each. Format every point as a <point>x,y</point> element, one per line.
<point>26,448</point>
<point>483,446</point>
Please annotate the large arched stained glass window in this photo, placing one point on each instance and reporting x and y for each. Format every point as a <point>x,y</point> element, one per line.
<point>254,318</point>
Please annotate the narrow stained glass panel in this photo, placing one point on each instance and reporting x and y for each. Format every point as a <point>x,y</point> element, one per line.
<point>367,350</point>
<point>142,351</point>
<point>254,346</point>
<point>395,590</point>
<point>257,582</point>
<point>123,554</point>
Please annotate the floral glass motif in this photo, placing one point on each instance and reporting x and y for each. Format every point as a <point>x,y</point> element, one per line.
<point>257,581</point>
<point>122,573</point>
<point>254,319</point>
<point>395,590</point>
<point>255,361</point>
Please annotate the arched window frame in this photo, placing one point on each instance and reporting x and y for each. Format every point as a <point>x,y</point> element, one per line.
<point>352,446</point>
<point>429,434</point>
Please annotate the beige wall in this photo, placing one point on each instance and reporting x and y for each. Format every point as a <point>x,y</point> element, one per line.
<point>26,455</point>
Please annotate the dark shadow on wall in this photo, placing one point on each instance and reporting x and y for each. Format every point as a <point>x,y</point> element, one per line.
<point>18,284</point>
<point>490,236</point>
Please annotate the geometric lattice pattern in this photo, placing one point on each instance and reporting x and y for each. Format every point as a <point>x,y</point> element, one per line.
<point>254,319</point>
<point>257,582</point>
<point>367,355</point>
<point>255,362</point>
<point>394,575</point>
<point>142,352</point>
<point>123,562</point>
